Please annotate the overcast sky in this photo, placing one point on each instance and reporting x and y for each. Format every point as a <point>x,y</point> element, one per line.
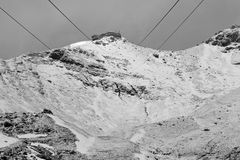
<point>133,18</point>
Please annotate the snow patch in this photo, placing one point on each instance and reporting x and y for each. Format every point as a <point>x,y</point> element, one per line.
<point>42,145</point>
<point>6,141</point>
<point>83,143</point>
<point>79,44</point>
<point>31,135</point>
<point>138,136</point>
<point>139,156</point>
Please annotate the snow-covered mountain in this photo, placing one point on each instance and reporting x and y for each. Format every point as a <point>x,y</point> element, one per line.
<point>117,100</point>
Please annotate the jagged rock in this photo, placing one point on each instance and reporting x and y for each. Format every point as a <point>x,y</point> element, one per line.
<point>220,37</point>
<point>235,26</point>
<point>229,48</point>
<point>2,66</point>
<point>238,40</point>
<point>226,37</point>
<point>234,154</point>
<point>59,144</point>
<point>233,36</point>
<point>108,34</point>
<point>24,123</point>
<point>71,61</point>
<point>7,124</point>
<point>57,54</point>
<point>225,42</point>
<point>47,111</point>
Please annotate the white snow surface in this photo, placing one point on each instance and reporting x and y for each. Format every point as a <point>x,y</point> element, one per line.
<point>180,83</point>
<point>83,143</point>
<point>77,45</point>
<point>137,136</point>
<point>6,141</point>
<point>31,135</point>
<point>42,145</point>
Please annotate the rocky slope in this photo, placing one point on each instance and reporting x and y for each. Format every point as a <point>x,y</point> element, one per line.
<point>111,99</point>
<point>36,137</point>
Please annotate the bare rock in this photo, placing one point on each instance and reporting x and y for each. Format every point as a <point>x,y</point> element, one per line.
<point>47,111</point>
<point>108,34</point>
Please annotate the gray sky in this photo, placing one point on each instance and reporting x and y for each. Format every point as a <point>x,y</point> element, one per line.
<point>133,18</point>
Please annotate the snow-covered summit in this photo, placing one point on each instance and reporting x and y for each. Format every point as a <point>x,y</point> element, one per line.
<point>229,42</point>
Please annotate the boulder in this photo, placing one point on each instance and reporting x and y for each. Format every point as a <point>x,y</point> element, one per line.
<point>57,54</point>
<point>7,124</point>
<point>225,42</point>
<point>47,111</point>
<point>220,37</point>
<point>233,36</point>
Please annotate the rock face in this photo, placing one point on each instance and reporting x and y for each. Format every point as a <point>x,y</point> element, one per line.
<point>110,99</point>
<point>38,138</point>
<point>112,35</point>
<point>226,37</point>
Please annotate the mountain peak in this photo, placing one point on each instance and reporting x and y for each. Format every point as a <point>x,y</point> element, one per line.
<point>107,34</point>
<point>106,38</point>
<point>227,38</point>
<point>111,99</point>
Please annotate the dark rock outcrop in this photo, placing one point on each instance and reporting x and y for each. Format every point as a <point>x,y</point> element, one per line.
<point>47,111</point>
<point>13,124</point>
<point>108,34</point>
<point>57,54</point>
<point>226,37</point>
<point>233,155</point>
<point>61,139</point>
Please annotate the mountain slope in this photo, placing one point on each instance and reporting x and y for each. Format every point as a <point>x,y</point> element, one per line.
<point>123,101</point>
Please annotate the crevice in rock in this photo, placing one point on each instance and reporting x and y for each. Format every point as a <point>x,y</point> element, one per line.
<point>146,111</point>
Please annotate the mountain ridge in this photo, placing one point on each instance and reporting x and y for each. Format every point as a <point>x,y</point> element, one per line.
<point>124,101</point>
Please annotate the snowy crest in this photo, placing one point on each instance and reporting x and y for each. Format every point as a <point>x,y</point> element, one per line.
<point>124,100</point>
